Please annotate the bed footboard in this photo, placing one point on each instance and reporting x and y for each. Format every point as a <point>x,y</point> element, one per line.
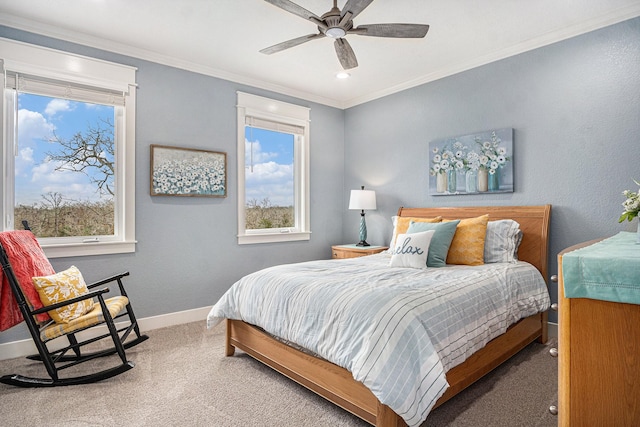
<point>337,385</point>
<point>330,381</point>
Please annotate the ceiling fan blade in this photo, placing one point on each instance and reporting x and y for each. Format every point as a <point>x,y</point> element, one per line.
<point>345,54</point>
<point>291,7</point>
<point>355,7</point>
<point>290,43</point>
<point>412,31</point>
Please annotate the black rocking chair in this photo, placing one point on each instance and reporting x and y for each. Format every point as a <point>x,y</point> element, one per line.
<point>104,312</point>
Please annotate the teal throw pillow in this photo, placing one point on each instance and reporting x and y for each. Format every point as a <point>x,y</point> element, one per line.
<point>440,242</point>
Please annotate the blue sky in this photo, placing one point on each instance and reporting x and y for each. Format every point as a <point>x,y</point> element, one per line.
<point>38,118</point>
<point>272,174</point>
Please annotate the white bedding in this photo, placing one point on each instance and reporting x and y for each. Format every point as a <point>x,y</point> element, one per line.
<point>397,330</point>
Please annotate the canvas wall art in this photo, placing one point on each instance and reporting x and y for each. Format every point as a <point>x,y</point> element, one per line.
<point>188,172</point>
<point>480,163</point>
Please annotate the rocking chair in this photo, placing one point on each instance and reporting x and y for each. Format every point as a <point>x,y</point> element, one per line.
<point>22,260</point>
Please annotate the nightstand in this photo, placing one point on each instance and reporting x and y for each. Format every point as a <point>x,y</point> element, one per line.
<point>353,251</point>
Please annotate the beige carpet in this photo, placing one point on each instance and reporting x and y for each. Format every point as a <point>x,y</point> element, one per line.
<point>182,378</point>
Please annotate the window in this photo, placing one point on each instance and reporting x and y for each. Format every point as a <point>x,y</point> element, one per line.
<point>68,149</point>
<point>273,170</point>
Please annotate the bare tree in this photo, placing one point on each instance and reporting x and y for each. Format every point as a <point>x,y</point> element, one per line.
<point>54,202</point>
<point>90,152</point>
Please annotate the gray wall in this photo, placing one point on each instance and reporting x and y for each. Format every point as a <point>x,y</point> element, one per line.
<point>575,110</point>
<point>187,253</point>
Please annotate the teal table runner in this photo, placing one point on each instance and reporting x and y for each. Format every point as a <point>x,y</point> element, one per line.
<point>608,270</point>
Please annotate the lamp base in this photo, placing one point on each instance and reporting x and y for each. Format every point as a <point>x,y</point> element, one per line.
<point>362,243</point>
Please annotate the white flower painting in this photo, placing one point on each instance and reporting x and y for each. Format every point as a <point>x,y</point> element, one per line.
<point>188,172</point>
<point>478,163</point>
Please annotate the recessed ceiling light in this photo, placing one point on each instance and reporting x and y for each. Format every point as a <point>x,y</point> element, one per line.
<point>343,75</point>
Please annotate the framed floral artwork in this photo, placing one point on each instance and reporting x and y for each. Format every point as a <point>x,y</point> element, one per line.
<point>188,172</point>
<point>480,163</point>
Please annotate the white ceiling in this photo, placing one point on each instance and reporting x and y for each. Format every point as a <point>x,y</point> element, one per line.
<point>222,37</point>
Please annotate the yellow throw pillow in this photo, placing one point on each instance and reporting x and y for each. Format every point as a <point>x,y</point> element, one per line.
<point>61,287</point>
<point>467,246</point>
<point>402,225</point>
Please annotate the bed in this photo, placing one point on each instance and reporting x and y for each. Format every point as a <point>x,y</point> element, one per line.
<point>311,365</point>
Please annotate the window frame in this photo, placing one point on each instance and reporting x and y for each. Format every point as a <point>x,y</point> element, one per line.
<point>258,107</point>
<point>59,66</point>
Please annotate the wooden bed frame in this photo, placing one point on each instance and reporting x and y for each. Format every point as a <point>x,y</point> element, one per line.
<point>337,385</point>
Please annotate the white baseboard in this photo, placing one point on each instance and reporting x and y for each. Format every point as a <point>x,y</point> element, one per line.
<point>24,348</point>
<point>552,330</point>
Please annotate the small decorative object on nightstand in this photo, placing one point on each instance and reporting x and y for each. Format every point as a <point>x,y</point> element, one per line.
<point>362,199</point>
<point>354,251</point>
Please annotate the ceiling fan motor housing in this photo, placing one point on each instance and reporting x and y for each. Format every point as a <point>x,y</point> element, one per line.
<point>333,28</point>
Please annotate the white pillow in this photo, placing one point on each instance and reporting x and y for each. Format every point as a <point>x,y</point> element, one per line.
<point>394,222</point>
<point>411,250</point>
<point>502,241</point>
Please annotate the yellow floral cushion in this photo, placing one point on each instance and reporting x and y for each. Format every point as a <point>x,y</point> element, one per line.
<point>114,304</point>
<point>401,225</point>
<point>467,246</point>
<point>61,287</point>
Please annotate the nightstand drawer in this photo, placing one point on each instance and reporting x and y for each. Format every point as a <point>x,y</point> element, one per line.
<point>353,251</point>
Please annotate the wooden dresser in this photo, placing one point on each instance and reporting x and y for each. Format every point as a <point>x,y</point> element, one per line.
<point>599,359</point>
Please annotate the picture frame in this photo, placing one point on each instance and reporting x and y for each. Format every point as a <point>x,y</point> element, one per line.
<point>478,163</point>
<point>187,172</point>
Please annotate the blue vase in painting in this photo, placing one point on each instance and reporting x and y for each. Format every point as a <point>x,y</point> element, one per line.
<point>453,183</point>
<point>494,180</point>
<point>471,181</point>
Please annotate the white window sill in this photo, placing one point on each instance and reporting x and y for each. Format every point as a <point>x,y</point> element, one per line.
<point>86,249</point>
<point>247,239</point>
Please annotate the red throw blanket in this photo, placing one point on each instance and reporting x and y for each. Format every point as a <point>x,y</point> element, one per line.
<point>27,260</point>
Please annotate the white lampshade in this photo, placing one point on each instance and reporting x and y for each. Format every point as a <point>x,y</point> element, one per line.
<point>362,200</point>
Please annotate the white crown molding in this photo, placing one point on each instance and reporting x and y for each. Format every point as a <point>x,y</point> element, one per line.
<point>156,57</point>
<point>602,21</point>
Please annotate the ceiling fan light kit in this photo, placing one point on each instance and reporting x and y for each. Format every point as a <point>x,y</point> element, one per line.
<point>335,32</point>
<point>337,24</point>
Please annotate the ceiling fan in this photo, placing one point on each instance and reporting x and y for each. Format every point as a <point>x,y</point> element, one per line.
<point>336,24</point>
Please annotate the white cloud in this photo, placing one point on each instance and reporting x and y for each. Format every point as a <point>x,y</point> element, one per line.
<point>46,172</point>
<point>33,126</point>
<point>26,155</point>
<point>253,153</point>
<point>269,173</point>
<point>57,105</point>
<point>46,179</point>
<point>271,180</point>
<point>24,161</point>
<point>73,192</point>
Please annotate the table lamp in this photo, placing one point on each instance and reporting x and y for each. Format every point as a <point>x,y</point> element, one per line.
<point>362,199</point>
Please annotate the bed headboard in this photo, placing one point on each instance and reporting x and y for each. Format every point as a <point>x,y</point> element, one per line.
<point>533,220</point>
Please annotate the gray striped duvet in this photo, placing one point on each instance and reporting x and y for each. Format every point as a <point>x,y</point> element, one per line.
<point>397,330</point>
